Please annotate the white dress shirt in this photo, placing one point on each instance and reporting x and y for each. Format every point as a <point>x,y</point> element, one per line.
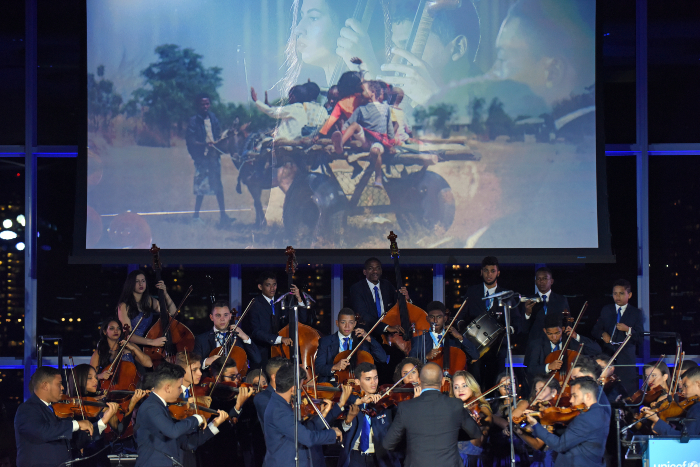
<point>271,301</point>
<point>100,424</point>
<point>356,446</point>
<point>548,294</point>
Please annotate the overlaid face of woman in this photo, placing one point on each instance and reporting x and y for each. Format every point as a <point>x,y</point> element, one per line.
<point>317,34</point>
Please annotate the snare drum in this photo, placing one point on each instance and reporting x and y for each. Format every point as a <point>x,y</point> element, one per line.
<point>483,332</point>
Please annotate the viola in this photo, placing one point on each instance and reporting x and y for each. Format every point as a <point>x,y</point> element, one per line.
<point>180,410</point>
<point>69,407</point>
<point>178,336</point>
<point>412,319</point>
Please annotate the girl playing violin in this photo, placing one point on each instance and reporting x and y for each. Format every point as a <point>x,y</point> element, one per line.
<point>612,386</point>
<point>657,377</point>
<point>465,387</point>
<point>135,302</point>
<point>109,346</point>
<point>498,445</point>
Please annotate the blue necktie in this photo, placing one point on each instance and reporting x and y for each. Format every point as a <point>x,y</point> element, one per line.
<point>377,301</point>
<point>438,339</point>
<point>619,316</point>
<point>51,409</point>
<point>347,343</point>
<point>544,304</point>
<point>556,347</point>
<point>220,337</point>
<point>187,393</point>
<point>489,302</point>
<point>272,304</point>
<point>364,436</point>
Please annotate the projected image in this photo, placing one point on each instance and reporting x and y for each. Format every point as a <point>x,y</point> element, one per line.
<point>231,124</point>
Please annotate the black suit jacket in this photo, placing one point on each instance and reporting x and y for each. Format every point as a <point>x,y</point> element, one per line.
<point>380,426</point>
<point>329,347</point>
<point>279,435</point>
<point>362,302</point>
<point>607,321</point>
<point>42,438</point>
<point>206,342</point>
<point>431,424</point>
<point>583,442</point>
<point>476,307</point>
<point>539,350</point>
<point>534,325</point>
<point>421,347</point>
<point>263,326</point>
<point>157,434</point>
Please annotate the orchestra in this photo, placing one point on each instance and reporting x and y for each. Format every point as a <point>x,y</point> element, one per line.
<point>229,394</point>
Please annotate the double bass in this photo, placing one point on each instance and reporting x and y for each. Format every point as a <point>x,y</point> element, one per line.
<point>178,336</point>
<point>308,336</point>
<point>413,320</point>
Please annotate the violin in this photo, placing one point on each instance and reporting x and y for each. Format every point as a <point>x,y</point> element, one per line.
<point>180,410</point>
<point>225,390</point>
<point>675,409</point>
<point>178,336</point>
<point>90,407</point>
<point>391,396</point>
<point>474,409</point>
<point>412,319</point>
<point>608,382</point>
<point>554,415</point>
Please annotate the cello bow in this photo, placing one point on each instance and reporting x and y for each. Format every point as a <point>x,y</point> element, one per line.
<point>568,375</point>
<point>451,323</point>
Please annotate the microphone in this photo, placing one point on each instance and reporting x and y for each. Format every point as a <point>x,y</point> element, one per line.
<point>533,299</point>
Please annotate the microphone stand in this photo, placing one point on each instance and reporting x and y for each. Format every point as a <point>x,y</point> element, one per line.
<point>292,304</point>
<point>503,301</point>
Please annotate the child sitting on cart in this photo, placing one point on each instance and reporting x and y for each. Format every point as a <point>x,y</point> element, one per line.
<point>371,125</point>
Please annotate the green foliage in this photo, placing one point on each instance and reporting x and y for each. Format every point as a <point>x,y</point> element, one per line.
<point>420,115</point>
<point>476,111</point>
<point>103,102</point>
<point>498,122</point>
<point>227,114</point>
<point>443,115</point>
<point>172,84</point>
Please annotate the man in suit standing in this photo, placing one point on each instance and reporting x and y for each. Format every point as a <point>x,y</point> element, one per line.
<point>428,345</point>
<point>583,441</point>
<point>550,304</point>
<point>42,438</point>
<point>492,362</point>
<point>204,343</point>
<point>365,433</point>
<point>540,349</point>
<point>279,426</point>
<point>431,424</point>
<point>614,324</point>
<point>347,338</point>
<point>268,317</point>
<point>162,440</point>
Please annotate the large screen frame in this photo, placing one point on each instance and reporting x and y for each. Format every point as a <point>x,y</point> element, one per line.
<point>601,254</point>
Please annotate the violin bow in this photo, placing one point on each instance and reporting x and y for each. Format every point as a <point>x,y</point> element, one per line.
<point>617,352</point>
<point>182,302</point>
<point>573,330</point>
<point>75,386</point>
<point>365,336</point>
<point>118,358</point>
<point>451,323</point>
<point>318,412</point>
<point>677,373</point>
<point>235,326</point>
<point>485,393</point>
<point>568,374</point>
<point>187,362</point>
<point>388,391</point>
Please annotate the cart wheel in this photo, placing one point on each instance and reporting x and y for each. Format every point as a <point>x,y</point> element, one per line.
<point>423,202</point>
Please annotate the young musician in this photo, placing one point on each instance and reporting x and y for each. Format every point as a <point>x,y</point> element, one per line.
<point>191,363</point>
<point>431,424</point>
<point>658,376</point>
<point>135,302</point>
<point>109,346</point>
<point>162,441</point>
<point>371,297</point>
<point>280,426</point>
<point>427,346</point>
<point>550,304</point>
<point>614,324</point>
<point>583,440</point>
<point>409,369</point>
<point>613,388</point>
<point>263,398</point>
<point>498,444</point>
<point>42,438</point>
<point>587,367</point>
<point>556,337</point>
<point>347,338</point>
<point>204,343</point>
<point>538,394</point>
<point>488,366</point>
<point>364,434</point>
<point>268,317</point>
<point>465,388</point>
<point>690,388</point>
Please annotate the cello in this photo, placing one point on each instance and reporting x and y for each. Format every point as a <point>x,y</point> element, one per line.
<point>410,318</point>
<point>451,359</point>
<point>308,336</point>
<point>362,357</point>
<point>565,355</point>
<point>236,353</point>
<point>178,336</point>
<point>125,376</point>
